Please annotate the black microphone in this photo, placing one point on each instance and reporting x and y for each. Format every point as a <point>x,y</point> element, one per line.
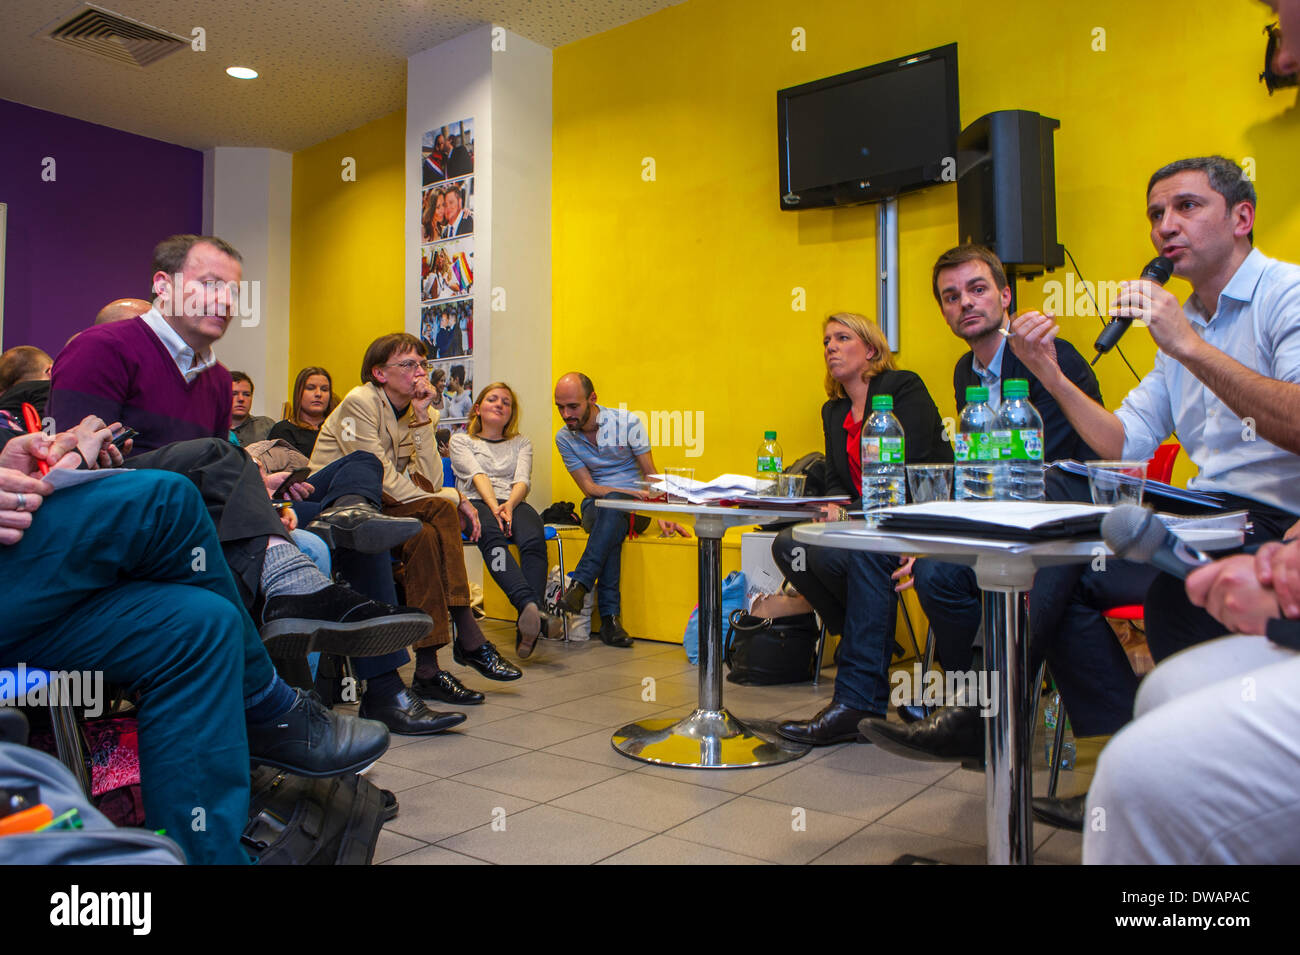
<point>1135,533</point>
<point>1157,270</point>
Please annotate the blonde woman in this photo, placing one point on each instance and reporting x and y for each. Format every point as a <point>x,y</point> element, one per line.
<point>853,592</point>
<point>493,464</point>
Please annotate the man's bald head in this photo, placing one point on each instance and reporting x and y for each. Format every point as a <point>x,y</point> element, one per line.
<point>122,308</point>
<point>575,401</point>
<point>575,379</point>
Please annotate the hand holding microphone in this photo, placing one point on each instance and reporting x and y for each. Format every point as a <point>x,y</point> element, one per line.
<point>1158,270</point>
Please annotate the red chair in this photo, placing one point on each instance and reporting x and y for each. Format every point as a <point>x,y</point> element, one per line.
<point>1159,468</point>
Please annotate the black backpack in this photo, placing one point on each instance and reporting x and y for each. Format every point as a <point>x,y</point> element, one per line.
<point>561,512</point>
<point>294,820</point>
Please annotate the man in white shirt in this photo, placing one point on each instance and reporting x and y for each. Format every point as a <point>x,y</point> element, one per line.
<point>1226,379</point>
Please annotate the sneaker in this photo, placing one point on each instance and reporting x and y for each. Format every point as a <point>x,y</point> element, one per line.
<point>310,740</point>
<point>337,619</point>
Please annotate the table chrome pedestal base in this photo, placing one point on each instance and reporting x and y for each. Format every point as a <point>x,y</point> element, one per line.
<point>707,739</point>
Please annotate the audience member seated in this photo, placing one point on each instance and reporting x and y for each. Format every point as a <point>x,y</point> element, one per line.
<point>494,467</point>
<point>1088,664</point>
<point>1208,772</point>
<point>133,369</point>
<point>853,592</point>
<point>388,416</point>
<point>121,309</point>
<point>607,454</point>
<point>24,379</point>
<point>106,567</point>
<point>313,400</point>
<point>246,428</point>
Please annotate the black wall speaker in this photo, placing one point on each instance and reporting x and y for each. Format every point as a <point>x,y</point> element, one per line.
<point>1006,189</point>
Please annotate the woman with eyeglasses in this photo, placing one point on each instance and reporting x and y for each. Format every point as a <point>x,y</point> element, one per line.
<point>389,415</point>
<point>494,469</point>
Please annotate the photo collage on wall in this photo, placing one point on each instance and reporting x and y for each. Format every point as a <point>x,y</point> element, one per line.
<point>447,266</point>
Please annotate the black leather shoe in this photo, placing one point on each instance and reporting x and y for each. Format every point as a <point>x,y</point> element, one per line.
<point>363,528</point>
<point>951,734</point>
<point>612,633</point>
<point>337,619</point>
<point>1061,813</point>
<point>446,689</point>
<point>406,715</point>
<point>309,740</point>
<point>389,803</point>
<point>488,661</point>
<point>836,723</point>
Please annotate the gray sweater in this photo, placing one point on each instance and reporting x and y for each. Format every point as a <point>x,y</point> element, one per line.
<point>504,463</point>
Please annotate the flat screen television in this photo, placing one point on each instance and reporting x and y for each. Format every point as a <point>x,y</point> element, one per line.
<point>869,134</point>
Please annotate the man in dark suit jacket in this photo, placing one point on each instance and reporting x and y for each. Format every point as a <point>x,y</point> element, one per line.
<point>1088,664</point>
<point>458,222</point>
<point>459,162</point>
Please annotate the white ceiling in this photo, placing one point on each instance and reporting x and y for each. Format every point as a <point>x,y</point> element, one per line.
<point>326,66</point>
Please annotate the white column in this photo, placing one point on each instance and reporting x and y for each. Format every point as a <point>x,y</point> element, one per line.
<point>248,201</point>
<point>503,82</point>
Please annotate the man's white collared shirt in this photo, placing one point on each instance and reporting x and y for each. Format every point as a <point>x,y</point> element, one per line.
<point>1258,324</point>
<point>181,353</point>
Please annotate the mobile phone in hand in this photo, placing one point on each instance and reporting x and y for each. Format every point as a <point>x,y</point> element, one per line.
<point>297,477</point>
<point>122,435</point>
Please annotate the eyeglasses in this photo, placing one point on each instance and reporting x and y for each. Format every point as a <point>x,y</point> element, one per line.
<point>411,365</point>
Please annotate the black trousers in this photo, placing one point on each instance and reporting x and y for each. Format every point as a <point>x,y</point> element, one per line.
<point>235,497</point>
<point>522,584</point>
<point>1173,623</point>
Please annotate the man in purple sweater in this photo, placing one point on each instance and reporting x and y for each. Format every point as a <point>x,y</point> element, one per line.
<point>157,374</point>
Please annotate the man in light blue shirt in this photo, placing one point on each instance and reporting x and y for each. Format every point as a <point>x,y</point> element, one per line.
<point>1226,379</point>
<point>608,455</point>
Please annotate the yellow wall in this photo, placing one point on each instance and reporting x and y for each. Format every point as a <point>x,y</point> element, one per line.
<point>347,266</point>
<point>676,293</point>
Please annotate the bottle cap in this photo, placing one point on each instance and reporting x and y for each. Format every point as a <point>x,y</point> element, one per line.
<point>769,435</point>
<point>977,393</point>
<point>882,403</point>
<point>1015,388</point>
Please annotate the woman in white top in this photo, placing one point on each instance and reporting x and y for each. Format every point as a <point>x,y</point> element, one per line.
<point>493,464</point>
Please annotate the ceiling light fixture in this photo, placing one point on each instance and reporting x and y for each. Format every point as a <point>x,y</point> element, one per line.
<point>242,72</point>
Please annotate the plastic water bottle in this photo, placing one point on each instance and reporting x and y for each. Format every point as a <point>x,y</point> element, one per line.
<point>1019,439</point>
<point>884,475</point>
<point>770,462</point>
<point>1052,713</point>
<point>975,452</point>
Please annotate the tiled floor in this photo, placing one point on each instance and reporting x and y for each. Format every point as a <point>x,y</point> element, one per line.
<point>531,777</point>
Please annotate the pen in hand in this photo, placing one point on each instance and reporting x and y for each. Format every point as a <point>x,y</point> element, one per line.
<point>33,422</point>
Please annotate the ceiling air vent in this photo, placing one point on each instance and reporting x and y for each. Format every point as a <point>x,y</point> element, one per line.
<point>105,33</point>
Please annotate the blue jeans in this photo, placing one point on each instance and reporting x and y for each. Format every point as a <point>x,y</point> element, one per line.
<point>126,575</point>
<point>602,562</point>
<point>867,643</point>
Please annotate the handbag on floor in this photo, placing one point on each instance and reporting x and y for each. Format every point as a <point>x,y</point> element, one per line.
<point>764,651</point>
<point>294,820</point>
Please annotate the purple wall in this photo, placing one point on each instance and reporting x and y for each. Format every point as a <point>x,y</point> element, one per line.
<point>84,239</point>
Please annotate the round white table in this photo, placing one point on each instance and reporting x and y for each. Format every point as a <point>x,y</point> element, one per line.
<point>710,737</point>
<point>1005,575</point>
